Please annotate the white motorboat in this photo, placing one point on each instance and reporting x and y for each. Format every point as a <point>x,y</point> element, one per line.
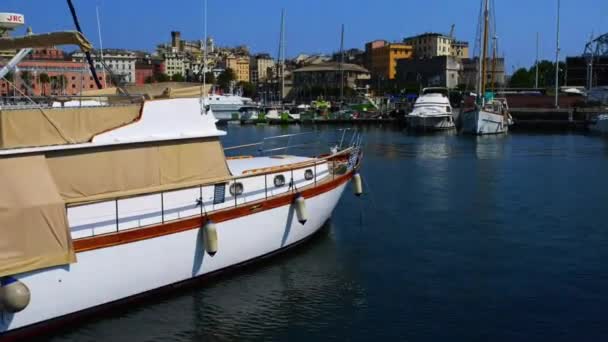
<point>226,106</point>
<point>103,204</point>
<point>432,111</point>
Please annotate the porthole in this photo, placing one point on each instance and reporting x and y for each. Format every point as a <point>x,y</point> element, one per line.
<point>236,189</point>
<point>308,175</point>
<point>279,181</point>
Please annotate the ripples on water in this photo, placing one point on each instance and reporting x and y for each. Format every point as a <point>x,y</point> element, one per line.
<point>457,238</point>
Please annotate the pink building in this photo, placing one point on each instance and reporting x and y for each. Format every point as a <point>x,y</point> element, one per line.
<point>62,78</point>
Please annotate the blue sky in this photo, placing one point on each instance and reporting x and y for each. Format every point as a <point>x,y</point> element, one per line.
<point>314,25</point>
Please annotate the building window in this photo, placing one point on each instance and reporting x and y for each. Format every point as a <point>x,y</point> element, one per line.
<point>73,78</point>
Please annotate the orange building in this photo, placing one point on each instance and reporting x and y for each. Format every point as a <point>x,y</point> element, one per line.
<point>384,59</point>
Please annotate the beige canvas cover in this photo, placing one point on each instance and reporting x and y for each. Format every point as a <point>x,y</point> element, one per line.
<point>34,231</point>
<point>55,126</point>
<point>92,174</point>
<point>46,40</point>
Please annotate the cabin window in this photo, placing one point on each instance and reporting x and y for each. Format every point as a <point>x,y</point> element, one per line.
<point>236,189</point>
<point>308,175</point>
<point>219,193</point>
<point>279,181</point>
<point>448,109</point>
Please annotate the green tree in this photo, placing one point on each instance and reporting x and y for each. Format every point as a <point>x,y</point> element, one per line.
<point>26,77</point>
<point>225,79</point>
<point>249,89</point>
<point>44,80</point>
<point>177,77</point>
<point>161,78</point>
<point>521,78</point>
<point>210,77</point>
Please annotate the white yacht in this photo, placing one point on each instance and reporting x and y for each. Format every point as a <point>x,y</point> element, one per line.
<point>432,111</point>
<point>225,105</point>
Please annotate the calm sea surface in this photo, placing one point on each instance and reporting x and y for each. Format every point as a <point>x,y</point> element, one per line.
<point>457,239</point>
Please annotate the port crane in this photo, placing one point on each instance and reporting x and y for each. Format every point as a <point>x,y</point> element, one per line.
<point>595,49</point>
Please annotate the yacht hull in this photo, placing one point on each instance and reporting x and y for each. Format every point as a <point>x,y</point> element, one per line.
<point>431,123</point>
<point>113,270</point>
<point>480,122</point>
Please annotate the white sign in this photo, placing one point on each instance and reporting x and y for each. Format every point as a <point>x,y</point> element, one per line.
<point>11,20</point>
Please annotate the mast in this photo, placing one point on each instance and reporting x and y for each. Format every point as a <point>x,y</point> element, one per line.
<point>494,48</point>
<point>342,65</point>
<point>484,48</point>
<point>557,59</point>
<point>87,53</point>
<point>100,45</point>
<point>282,54</point>
<point>537,43</point>
<point>204,66</point>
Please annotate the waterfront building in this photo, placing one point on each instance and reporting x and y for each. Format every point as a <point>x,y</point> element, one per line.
<point>428,45</point>
<point>50,77</point>
<point>326,76</point>
<point>240,66</point>
<point>261,64</point>
<point>470,70</point>
<point>119,61</point>
<point>439,71</point>
<point>384,59</point>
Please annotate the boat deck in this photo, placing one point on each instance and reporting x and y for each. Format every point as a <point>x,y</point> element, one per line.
<point>242,166</point>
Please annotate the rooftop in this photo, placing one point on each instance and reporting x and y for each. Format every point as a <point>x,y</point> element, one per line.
<point>332,66</point>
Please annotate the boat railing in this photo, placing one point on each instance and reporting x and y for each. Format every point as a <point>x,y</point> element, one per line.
<point>283,143</point>
<point>214,196</point>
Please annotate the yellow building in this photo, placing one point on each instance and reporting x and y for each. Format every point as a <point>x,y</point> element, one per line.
<point>429,45</point>
<point>240,66</point>
<point>384,60</point>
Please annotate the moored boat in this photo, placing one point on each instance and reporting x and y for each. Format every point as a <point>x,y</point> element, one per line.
<point>104,203</point>
<point>432,111</point>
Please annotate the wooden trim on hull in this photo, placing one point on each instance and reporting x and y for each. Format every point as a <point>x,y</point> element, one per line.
<point>41,329</point>
<point>138,234</point>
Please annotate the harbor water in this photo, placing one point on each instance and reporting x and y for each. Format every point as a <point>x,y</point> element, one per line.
<point>500,238</point>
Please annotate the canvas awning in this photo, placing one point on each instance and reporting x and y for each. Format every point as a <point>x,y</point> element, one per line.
<point>33,224</point>
<point>46,40</point>
<point>56,126</point>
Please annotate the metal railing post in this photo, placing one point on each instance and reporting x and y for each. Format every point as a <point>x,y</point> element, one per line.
<point>116,208</point>
<point>162,207</point>
<point>265,186</point>
<point>315,166</point>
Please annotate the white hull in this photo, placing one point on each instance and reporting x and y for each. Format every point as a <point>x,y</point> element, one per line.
<point>108,274</point>
<point>431,123</point>
<point>480,122</point>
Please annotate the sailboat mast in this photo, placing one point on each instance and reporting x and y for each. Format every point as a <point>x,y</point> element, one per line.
<point>204,66</point>
<point>100,46</point>
<point>484,48</point>
<point>282,54</point>
<point>342,65</point>
<point>494,48</point>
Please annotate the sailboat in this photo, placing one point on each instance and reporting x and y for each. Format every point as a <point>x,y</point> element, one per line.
<point>490,115</point>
